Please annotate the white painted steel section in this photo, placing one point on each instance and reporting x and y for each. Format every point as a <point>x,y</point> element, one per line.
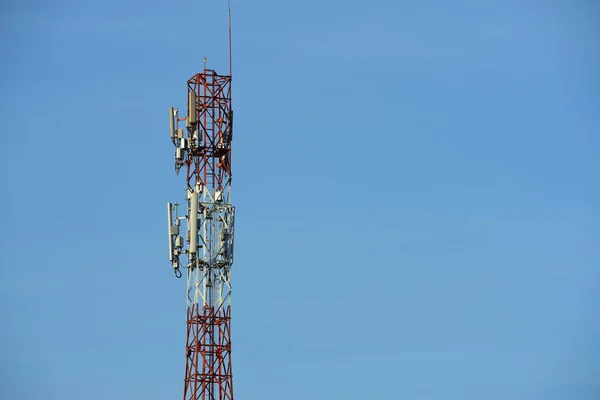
<point>193,224</point>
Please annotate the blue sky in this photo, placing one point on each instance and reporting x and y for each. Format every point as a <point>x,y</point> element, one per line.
<point>416,187</point>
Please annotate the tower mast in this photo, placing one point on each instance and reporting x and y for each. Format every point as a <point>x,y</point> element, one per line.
<point>205,252</point>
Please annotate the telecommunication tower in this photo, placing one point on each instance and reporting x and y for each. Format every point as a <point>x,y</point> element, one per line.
<point>205,251</point>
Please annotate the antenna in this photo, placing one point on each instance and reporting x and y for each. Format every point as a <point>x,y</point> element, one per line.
<point>170,224</point>
<point>229,26</point>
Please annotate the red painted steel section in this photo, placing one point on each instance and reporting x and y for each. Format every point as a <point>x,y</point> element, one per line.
<point>210,163</point>
<point>208,374</point>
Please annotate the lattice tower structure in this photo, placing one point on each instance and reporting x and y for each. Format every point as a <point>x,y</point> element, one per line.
<point>203,149</point>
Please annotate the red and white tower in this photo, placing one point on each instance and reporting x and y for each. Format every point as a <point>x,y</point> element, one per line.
<point>205,251</point>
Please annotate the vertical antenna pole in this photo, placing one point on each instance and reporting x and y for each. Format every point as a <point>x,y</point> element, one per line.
<point>229,25</point>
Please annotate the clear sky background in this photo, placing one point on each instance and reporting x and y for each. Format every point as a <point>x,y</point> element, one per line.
<point>416,185</point>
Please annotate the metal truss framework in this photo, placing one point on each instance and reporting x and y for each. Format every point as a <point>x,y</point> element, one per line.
<point>205,152</point>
